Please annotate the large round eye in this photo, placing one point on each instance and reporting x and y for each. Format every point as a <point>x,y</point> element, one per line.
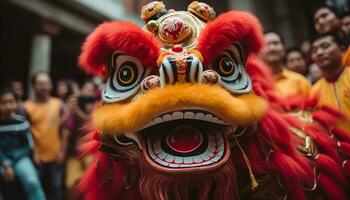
<point>225,66</point>
<point>127,74</point>
<point>125,80</point>
<point>230,67</point>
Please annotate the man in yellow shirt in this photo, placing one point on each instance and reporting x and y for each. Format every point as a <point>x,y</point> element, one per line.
<point>288,83</point>
<point>334,88</point>
<point>46,115</point>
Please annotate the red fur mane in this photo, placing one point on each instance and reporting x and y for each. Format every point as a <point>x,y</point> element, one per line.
<point>117,36</point>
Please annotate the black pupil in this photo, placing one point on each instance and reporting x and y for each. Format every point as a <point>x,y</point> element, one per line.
<point>125,74</point>
<point>226,65</point>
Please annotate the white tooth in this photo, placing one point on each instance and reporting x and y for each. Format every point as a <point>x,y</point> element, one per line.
<point>188,160</point>
<point>204,156</point>
<point>215,120</point>
<point>184,165</point>
<point>207,162</point>
<point>174,165</point>
<point>208,117</point>
<point>162,155</point>
<point>197,159</point>
<point>178,115</point>
<point>158,120</point>
<point>199,116</point>
<point>169,158</point>
<point>161,162</point>
<point>189,115</point>
<point>167,117</point>
<point>221,122</point>
<point>216,158</point>
<point>151,153</point>
<point>179,159</point>
<point>196,165</point>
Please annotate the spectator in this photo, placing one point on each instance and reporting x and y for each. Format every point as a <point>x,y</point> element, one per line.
<point>287,82</point>
<point>315,73</point>
<point>295,61</point>
<point>81,108</point>
<point>15,148</point>
<point>334,88</point>
<point>326,19</point>
<point>305,48</point>
<point>63,89</point>
<point>345,24</point>
<point>45,114</point>
<point>17,87</point>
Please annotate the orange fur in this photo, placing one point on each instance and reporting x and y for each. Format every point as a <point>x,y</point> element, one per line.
<point>131,116</point>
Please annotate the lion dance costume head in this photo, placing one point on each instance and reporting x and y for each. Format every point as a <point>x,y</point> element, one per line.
<point>188,113</point>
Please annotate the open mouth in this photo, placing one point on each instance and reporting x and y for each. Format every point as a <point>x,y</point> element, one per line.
<point>185,140</point>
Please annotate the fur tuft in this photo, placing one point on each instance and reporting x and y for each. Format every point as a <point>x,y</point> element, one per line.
<point>130,117</point>
<point>230,27</point>
<point>117,36</point>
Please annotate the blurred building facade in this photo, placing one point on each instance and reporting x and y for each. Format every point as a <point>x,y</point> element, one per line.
<point>46,35</point>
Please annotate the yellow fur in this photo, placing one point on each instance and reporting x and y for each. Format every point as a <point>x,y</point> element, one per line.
<point>131,116</point>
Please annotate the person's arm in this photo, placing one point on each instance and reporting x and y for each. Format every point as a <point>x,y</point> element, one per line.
<point>65,134</point>
<point>76,110</point>
<point>5,163</point>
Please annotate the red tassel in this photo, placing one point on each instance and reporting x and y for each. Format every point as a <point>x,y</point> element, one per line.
<point>346,148</point>
<point>328,166</point>
<point>346,168</point>
<point>330,189</point>
<point>333,111</point>
<point>341,134</point>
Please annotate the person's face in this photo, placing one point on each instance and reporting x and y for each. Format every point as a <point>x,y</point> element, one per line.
<point>17,87</point>
<point>345,24</point>
<point>8,105</point>
<point>295,62</point>
<point>326,53</point>
<point>325,20</point>
<point>42,86</point>
<point>75,89</point>
<point>315,72</point>
<point>88,89</point>
<point>62,89</point>
<point>274,50</point>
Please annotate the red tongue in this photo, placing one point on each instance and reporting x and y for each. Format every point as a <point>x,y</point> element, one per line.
<point>184,139</point>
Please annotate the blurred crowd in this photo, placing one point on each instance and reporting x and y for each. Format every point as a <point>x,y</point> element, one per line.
<point>51,124</point>
<point>39,135</point>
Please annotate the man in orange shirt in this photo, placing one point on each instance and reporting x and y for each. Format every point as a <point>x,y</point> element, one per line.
<point>334,88</point>
<point>45,114</point>
<point>288,83</point>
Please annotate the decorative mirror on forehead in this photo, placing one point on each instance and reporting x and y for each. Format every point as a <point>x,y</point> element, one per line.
<point>230,65</point>
<point>126,74</point>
